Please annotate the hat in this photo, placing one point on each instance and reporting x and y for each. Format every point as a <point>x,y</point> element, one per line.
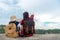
<point>13,18</point>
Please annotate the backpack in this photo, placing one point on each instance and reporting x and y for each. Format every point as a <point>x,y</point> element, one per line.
<point>16,23</point>
<point>10,30</point>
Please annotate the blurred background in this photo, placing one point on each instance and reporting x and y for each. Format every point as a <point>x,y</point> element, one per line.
<point>46,13</point>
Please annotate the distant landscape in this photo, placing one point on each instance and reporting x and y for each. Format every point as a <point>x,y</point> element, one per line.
<point>2,28</point>
<point>37,31</point>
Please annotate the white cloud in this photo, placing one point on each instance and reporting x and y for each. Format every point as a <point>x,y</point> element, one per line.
<point>44,10</point>
<point>38,5</point>
<point>4,6</point>
<point>43,17</point>
<point>47,17</point>
<point>11,1</point>
<point>53,26</point>
<point>30,5</point>
<point>41,25</point>
<point>38,25</point>
<point>4,21</point>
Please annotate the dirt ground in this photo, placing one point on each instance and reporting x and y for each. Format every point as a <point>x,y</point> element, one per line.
<point>34,37</point>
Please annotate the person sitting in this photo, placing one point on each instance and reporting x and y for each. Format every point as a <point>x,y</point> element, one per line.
<point>13,20</point>
<point>32,18</point>
<point>27,24</point>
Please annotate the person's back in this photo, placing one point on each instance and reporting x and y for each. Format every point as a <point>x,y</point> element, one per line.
<point>27,24</point>
<point>32,18</point>
<point>16,23</point>
<point>13,19</point>
<point>10,30</point>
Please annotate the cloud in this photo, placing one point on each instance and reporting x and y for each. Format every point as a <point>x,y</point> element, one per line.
<point>38,5</point>
<point>8,10</point>
<point>55,25</point>
<point>43,17</point>
<point>50,25</point>
<point>4,21</point>
<point>10,2</point>
<point>44,11</point>
<point>4,6</point>
<point>54,21</point>
<point>29,5</point>
<point>47,16</point>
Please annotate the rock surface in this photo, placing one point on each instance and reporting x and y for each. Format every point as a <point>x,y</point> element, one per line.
<point>35,37</point>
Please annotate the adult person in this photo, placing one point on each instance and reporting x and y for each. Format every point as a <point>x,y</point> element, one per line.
<point>27,24</point>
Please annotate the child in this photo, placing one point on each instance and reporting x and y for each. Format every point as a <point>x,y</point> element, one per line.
<point>13,20</point>
<point>32,18</point>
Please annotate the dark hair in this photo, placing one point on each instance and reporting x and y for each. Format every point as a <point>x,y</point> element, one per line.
<point>25,15</point>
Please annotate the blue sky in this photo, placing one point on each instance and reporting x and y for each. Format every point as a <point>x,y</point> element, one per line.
<point>47,12</point>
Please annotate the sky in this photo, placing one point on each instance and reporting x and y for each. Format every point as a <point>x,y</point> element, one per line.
<point>46,12</point>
